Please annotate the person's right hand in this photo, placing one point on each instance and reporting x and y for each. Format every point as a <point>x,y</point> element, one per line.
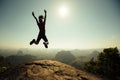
<point>45,11</point>
<point>33,14</point>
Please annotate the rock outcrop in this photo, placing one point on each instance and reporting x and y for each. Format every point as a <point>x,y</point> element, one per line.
<point>45,70</point>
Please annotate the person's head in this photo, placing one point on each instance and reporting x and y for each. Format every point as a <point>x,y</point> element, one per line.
<point>40,18</point>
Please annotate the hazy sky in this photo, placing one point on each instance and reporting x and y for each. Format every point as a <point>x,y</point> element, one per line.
<point>82,24</point>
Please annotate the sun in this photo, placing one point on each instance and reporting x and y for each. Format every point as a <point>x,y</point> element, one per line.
<point>63,10</point>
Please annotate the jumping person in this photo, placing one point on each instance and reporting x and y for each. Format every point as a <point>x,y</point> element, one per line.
<point>41,26</point>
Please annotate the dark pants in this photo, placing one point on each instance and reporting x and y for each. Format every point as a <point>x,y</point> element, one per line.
<point>41,36</point>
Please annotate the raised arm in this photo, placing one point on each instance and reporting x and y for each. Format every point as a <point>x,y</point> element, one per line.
<point>45,16</point>
<point>35,17</point>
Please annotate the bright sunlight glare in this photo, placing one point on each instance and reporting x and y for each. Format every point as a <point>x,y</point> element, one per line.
<point>63,11</point>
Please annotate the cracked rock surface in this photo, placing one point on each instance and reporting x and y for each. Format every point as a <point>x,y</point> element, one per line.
<point>46,70</point>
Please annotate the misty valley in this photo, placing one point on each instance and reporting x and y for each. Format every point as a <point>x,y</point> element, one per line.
<point>88,60</point>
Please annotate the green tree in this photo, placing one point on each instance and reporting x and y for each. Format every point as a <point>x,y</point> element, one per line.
<point>89,65</point>
<point>1,58</point>
<point>107,63</point>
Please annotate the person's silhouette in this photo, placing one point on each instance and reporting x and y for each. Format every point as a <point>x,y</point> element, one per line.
<point>41,26</point>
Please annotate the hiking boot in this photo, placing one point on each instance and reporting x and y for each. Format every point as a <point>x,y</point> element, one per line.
<point>45,44</point>
<point>32,41</point>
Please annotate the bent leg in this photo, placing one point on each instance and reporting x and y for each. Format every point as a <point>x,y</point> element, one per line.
<point>38,39</point>
<point>46,41</point>
<point>45,38</point>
